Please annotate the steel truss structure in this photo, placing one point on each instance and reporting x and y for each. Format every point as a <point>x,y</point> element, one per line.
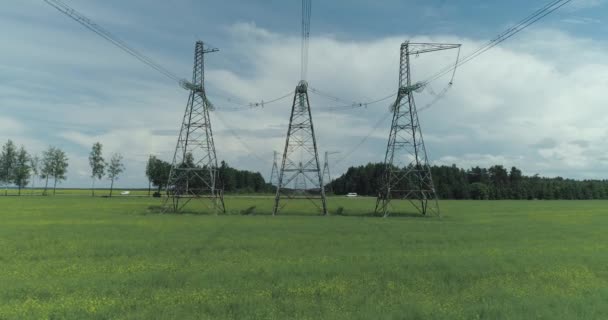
<point>300,176</point>
<point>274,173</point>
<point>194,171</point>
<point>407,173</point>
<point>326,173</point>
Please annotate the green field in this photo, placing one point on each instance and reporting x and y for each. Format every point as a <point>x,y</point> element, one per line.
<point>98,258</point>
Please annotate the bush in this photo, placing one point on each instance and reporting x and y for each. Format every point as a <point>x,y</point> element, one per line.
<point>340,211</point>
<point>248,211</point>
<point>156,194</point>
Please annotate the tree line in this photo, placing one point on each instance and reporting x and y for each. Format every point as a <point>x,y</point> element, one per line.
<point>494,183</point>
<point>18,168</point>
<point>230,179</point>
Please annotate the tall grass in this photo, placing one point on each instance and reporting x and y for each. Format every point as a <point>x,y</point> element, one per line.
<point>95,258</point>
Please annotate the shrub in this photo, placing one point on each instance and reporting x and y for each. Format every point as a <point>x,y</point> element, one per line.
<point>248,211</point>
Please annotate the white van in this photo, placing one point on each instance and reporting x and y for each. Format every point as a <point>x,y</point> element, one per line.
<point>352,195</point>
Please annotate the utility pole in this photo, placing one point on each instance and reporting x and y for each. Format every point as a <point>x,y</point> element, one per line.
<point>194,171</point>
<point>300,157</point>
<point>407,173</point>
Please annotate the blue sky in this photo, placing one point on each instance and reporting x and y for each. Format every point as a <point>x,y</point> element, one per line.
<point>535,102</point>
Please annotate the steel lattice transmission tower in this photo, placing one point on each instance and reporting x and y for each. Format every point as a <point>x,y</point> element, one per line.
<point>326,173</point>
<point>274,173</point>
<point>301,176</point>
<point>194,172</point>
<point>407,173</point>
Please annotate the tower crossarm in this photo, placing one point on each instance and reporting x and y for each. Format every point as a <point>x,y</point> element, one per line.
<point>417,48</point>
<point>416,87</point>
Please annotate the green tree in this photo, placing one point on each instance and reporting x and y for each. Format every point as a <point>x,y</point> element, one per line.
<point>60,168</point>
<point>115,169</point>
<point>515,181</point>
<point>46,169</point>
<point>22,169</point>
<point>158,172</point>
<point>479,191</point>
<point>54,165</point>
<point>499,180</point>
<point>8,158</point>
<point>97,164</point>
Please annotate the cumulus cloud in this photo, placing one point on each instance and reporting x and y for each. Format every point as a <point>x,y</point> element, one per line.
<point>586,4</point>
<point>536,103</point>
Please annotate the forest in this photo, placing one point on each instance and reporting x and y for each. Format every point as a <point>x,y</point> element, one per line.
<point>451,182</point>
<point>232,180</point>
<point>494,183</point>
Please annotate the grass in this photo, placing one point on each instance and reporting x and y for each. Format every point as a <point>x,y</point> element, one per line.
<point>95,258</point>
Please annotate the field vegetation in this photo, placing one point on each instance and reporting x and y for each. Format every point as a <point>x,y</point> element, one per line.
<point>76,257</point>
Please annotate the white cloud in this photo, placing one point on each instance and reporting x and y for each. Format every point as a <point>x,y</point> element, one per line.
<point>581,20</point>
<point>10,126</point>
<point>586,4</point>
<point>539,86</point>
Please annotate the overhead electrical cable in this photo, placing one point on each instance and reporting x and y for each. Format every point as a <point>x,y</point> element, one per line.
<point>99,30</point>
<point>306,13</point>
<point>526,22</point>
<point>347,104</point>
<point>238,138</point>
<point>360,143</point>
<point>102,32</point>
<point>522,25</point>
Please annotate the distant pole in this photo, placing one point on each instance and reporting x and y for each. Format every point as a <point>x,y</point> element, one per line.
<point>326,173</point>
<point>274,173</point>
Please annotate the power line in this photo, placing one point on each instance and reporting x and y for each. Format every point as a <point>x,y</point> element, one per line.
<point>348,104</point>
<point>356,147</point>
<point>522,25</point>
<point>263,103</point>
<point>537,15</point>
<point>102,32</point>
<point>238,138</point>
<point>360,143</point>
<point>99,30</point>
<point>329,96</point>
<point>252,105</point>
<point>306,13</point>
